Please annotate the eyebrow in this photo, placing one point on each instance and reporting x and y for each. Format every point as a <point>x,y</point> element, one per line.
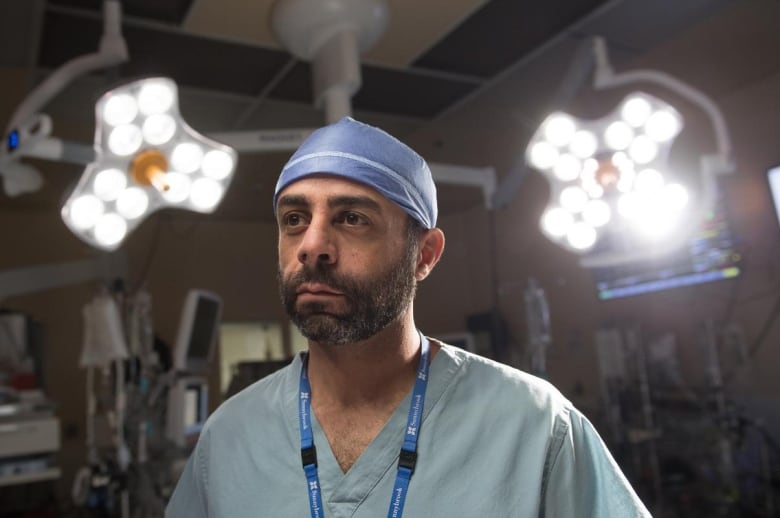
<point>297,200</point>
<point>354,201</point>
<point>289,200</point>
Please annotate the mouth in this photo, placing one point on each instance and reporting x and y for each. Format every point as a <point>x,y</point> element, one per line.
<point>316,289</point>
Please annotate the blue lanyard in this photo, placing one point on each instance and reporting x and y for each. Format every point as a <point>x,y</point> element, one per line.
<point>407,458</point>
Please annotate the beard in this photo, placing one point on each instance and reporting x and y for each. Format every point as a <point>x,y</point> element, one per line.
<point>371,303</point>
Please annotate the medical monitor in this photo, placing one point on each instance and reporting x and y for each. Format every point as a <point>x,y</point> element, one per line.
<point>711,253</point>
<point>188,409</point>
<point>198,330</point>
<point>773,175</point>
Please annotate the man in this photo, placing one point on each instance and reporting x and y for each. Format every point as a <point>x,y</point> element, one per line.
<point>376,419</point>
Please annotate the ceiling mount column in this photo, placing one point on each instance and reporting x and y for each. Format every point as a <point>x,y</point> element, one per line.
<point>331,34</point>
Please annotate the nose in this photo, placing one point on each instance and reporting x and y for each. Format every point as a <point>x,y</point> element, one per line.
<point>318,245</point>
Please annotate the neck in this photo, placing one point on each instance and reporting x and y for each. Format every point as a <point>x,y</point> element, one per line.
<point>370,372</point>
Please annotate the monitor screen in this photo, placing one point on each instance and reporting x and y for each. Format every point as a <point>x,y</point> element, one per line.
<point>195,407</point>
<point>204,327</point>
<point>711,253</point>
<point>773,175</point>
<point>198,328</point>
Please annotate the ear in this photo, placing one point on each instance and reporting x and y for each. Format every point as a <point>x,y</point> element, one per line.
<point>431,248</point>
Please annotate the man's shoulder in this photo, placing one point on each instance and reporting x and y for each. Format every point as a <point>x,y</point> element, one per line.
<point>503,383</point>
<point>258,401</point>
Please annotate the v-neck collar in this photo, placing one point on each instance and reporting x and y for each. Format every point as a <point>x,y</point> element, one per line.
<point>344,492</point>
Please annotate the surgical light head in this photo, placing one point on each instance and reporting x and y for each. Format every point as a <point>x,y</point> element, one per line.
<point>147,158</point>
<point>609,173</point>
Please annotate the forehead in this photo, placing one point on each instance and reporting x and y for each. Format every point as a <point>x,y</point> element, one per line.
<point>325,188</point>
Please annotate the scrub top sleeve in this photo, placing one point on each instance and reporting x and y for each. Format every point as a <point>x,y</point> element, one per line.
<point>584,480</point>
<point>189,497</point>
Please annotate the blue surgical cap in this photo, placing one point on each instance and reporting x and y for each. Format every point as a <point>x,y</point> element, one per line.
<point>365,154</point>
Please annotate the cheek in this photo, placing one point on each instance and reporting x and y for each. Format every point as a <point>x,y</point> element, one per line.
<point>287,256</point>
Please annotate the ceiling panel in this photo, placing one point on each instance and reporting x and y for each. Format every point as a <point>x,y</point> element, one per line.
<point>465,81</point>
<point>500,33</point>
<point>168,11</point>
<point>238,20</point>
<point>188,59</point>
<point>413,26</point>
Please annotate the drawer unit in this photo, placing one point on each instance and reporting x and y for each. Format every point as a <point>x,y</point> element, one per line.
<point>29,436</point>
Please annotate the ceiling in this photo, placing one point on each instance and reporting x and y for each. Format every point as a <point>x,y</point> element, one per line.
<point>464,81</point>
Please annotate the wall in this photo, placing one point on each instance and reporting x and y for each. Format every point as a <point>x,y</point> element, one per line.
<point>238,260</point>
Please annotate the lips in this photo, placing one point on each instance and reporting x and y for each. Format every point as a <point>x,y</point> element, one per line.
<point>316,289</point>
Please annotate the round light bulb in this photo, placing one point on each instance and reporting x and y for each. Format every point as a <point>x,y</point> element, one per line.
<point>589,167</point>
<point>159,129</point>
<point>132,203</point>
<point>643,149</point>
<point>635,111</point>
<point>653,218</point>
<point>217,164</point>
<point>573,198</point>
<point>676,196</point>
<point>110,230</point>
<point>583,144</point>
<point>109,183</point>
<point>625,183</point>
<point>567,168</point>
<point>85,211</point>
<point>621,160</point>
<point>662,125</point>
<point>542,155</point>
<point>648,181</point>
<point>581,236</point>
<point>120,109</point>
<point>156,97</point>
<point>559,129</point>
<point>618,135</point>
<point>557,221</point>
<point>125,140</point>
<point>186,157</point>
<point>596,213</point>
<point>178,187</point>
<point>206,193</point>
<point>594,190</point>
<point>629,205</point>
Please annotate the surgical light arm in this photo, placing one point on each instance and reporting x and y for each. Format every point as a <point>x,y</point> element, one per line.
<point>28,130</point>
<point>592,58</point>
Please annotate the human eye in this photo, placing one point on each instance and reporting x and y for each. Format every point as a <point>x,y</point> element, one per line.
<point>292,220</point>
<point>352,219</point>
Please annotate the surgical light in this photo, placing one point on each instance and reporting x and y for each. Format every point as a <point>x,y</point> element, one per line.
<point>610,173</point>
<point>109,183</point>
<point>147,158</point>
<point>557,221</point>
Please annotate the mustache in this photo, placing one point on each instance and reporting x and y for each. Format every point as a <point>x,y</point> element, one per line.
<point>317,274</point>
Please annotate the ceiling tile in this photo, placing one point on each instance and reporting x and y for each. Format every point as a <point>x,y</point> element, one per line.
<point>168,11</point>
<point>239,20</point>
<point>393,91</point>
<point>189,60</point>
<point>414,27</point>
<point>500,33</point>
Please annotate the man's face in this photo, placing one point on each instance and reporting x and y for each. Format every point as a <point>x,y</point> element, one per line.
<point>346,265</point>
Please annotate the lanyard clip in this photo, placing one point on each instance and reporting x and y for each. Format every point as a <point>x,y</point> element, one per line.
<point>407,459</point>
<point>309,456</point>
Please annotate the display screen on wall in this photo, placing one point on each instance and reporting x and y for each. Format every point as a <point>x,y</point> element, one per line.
<point>711,254</point>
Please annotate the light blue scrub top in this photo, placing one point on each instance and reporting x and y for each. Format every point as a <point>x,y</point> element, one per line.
<point>494,442</point>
